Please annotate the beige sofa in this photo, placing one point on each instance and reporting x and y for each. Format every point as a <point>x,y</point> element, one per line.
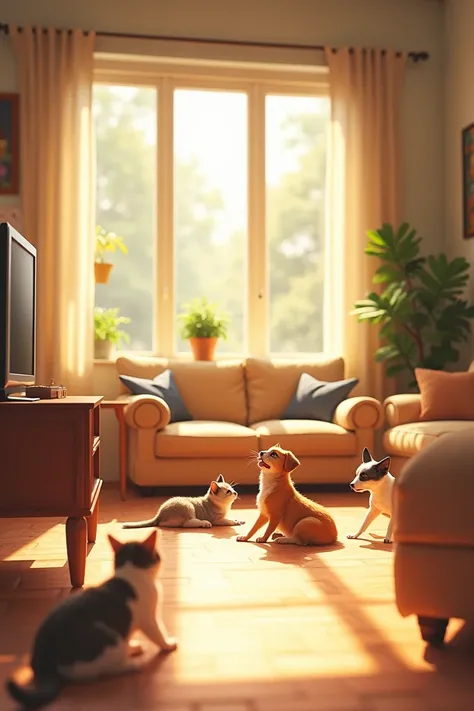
<point>236,406</point>
<point>434,535</point>
<point>406,435</point>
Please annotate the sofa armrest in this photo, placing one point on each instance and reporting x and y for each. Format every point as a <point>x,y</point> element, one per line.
<point>401,409</point>
<point>147,412</point>
<point>357,413</point>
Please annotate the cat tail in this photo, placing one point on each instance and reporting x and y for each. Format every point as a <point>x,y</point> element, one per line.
<point>37,693</point>
<point>143,524</point>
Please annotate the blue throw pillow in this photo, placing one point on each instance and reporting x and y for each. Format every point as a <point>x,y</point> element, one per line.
<point>317,399</point>
<point>164,386</point>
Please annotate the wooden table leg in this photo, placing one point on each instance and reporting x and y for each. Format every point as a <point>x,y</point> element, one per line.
<point>92,522</point>
<point>76,542</point>
<point>123,452</point>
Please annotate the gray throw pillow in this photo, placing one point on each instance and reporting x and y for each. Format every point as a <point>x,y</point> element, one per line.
<point>317,399</point>
<point>164,386</point>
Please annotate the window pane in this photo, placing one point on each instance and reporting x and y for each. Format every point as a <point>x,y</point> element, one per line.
<point>125,129</point>
<point>210,154</point>
<point>296,130</point>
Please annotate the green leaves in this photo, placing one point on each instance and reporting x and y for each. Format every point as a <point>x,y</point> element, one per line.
<point>420,312</point>
<point>202,320</point>
<point>106,326</point>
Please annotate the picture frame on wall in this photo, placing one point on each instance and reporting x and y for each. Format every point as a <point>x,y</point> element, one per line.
<point>9,144</point>
<point>468,180</point>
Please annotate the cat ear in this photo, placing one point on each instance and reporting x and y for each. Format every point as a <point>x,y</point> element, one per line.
<point>150,542</point>
<point>384,465</point>
<point>220,479</point>
<point>366,456</point>
<point>116,545</point>
<point>214,487</point>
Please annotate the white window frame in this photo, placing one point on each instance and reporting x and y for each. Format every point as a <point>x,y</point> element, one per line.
<point>257,81</point>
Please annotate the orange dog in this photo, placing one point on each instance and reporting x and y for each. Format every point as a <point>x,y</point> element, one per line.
<point>299,520</point>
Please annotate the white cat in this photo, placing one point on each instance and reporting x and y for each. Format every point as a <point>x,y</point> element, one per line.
<point>88,634</point>
<point>212,509</point>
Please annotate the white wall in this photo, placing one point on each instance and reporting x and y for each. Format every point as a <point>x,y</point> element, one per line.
<point>398,24</point>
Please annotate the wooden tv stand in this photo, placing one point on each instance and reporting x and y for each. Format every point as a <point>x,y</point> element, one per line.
<point>50,466</point>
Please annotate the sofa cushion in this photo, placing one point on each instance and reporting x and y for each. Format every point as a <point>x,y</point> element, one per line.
<point>408,439</point>
<point>211,390</point>
<point>316,399</point>
<point>306,437</point>
<point>271,383</point>
<point>201,438</point>
<point>445,396</point>
<point>163,386</point>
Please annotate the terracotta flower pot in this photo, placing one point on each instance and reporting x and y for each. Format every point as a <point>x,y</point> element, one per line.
<point>203,348</point>
<point>102,272</point>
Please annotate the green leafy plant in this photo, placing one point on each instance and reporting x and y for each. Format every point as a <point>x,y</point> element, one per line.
<point>107,324</point>
<point>203,320</point>
<point>421,312</point>
<point>107,242</point>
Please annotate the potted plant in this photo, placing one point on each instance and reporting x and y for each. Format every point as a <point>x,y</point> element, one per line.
<point>202,325</point>
<point>105,242</point>
<point>421,310</point>
<point>107,332</point>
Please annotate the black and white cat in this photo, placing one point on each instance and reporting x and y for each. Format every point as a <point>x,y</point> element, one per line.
<point>88,635</point>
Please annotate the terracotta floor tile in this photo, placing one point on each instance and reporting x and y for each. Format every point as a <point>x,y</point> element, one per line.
<point>260,627</point>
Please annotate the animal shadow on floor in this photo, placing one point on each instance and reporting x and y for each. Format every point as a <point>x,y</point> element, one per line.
<point>277,553</point>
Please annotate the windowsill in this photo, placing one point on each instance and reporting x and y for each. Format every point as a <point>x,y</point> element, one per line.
<point>185,358</point>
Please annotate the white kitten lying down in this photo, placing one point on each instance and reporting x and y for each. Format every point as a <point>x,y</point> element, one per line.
<point>212,509</point>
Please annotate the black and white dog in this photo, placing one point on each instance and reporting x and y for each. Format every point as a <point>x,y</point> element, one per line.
<point>374,477</point>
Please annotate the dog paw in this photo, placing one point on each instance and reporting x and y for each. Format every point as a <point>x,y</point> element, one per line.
<point>238,523</point>
<point>387,540</point>
<point>261,539</point>
<point>171,645</point>
<point>242,539</point>
<point>206,524</point>
<point>351,535</point>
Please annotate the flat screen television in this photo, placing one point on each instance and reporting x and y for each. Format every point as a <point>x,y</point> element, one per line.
<point>17,312</point>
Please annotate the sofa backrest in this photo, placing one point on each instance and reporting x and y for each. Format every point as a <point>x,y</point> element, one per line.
<point>210,390</point>
<point>271,384</point>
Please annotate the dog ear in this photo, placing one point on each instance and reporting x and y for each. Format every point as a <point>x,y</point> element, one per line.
<point>366,456</point>
<point>220,479</point>
<point>290,462</point>
<point>384,465</point>
<point>214,487</point>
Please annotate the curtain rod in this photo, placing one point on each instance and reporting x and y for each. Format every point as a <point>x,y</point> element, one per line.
<point>415,56</point>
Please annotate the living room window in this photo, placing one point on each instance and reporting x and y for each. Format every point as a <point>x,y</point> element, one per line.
<point>216,182</point>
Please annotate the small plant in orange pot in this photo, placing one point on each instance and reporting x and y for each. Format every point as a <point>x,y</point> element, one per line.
<point>203,325</point>
<point>105,242</point>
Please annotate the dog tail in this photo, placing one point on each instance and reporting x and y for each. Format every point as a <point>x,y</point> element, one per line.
<point>142,524</point>
<point>38,693</point>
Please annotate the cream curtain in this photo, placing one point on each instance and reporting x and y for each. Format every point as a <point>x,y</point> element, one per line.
<point>363,183</point>
<point>55,76</point>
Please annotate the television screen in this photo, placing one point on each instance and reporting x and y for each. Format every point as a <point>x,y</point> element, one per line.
<point>22,307</point>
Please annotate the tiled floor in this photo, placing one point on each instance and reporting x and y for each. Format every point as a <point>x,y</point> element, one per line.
<point>261,628</point>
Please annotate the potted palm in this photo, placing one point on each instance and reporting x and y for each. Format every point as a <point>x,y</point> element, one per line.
<point>105,242</point>
<point>202,324</point>
<point>421,308</point>
<point>107,332</point>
